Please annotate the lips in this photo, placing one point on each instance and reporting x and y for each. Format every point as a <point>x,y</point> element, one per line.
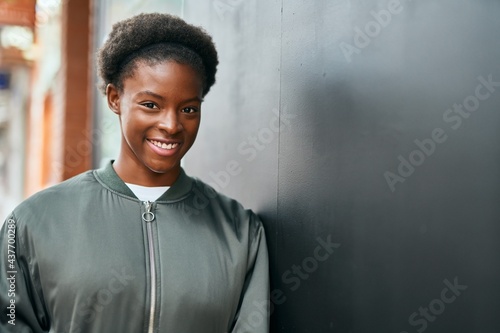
<point>164,148</point>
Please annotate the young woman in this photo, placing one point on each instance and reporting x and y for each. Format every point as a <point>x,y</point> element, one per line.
<point>139,246</point>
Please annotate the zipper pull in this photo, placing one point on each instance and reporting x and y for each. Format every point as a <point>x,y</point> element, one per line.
<point>148,215</point>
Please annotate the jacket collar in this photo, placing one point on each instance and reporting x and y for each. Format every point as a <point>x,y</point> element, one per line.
<point>108,176</point>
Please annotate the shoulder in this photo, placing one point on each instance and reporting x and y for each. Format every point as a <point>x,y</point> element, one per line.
<point>205,197</point>
<point>56,196</point>
<point>204,193</point>
<point>77,183</point>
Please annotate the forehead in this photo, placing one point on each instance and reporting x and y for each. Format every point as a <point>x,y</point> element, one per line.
<point>167,77</point>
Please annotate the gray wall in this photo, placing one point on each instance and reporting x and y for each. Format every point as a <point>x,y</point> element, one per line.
<point>372,155</point>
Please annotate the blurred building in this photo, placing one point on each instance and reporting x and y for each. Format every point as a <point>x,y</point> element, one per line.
<point>54,123</point>
<point>17,23</point>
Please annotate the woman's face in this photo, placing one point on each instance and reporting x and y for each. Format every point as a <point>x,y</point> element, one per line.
<point>159,111</point>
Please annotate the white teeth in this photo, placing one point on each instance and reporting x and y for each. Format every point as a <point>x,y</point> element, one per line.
<point>164,145</point>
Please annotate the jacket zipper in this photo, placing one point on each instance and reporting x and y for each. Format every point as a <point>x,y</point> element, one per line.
<point>148,217</point>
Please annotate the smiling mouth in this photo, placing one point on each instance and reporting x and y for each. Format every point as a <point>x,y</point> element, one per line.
<point>166,146</point>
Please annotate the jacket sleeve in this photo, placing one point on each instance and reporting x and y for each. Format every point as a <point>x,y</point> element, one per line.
<point>253,313</point>
<point>20,304</point>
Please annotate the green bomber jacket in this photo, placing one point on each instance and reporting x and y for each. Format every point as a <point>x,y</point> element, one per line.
<point>87,256</point>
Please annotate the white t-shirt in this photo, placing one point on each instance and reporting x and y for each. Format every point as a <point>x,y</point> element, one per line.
<point>146,193</point>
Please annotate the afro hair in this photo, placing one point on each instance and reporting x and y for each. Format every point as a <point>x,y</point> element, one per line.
<point>153,38</point>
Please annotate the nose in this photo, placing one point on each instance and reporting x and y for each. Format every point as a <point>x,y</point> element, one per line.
<point>169,122</point>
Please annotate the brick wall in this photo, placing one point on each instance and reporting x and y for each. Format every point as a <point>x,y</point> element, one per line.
<point>60,118</point>
<point>76,47</point>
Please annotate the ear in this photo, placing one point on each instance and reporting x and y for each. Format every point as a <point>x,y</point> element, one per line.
<point>113,97</point>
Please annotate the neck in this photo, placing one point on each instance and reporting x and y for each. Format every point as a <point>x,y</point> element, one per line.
<point>144,176</point>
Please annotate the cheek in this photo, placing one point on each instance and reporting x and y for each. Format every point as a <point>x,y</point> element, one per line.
<point>127,125</point>
<point>133,121</point>
<point>194,128</point>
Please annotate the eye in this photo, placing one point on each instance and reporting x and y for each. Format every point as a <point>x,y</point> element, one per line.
<point>149,105</point>
<point>189,110</point>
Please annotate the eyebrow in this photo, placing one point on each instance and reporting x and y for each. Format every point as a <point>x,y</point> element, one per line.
<point>160,97</point>
<point>150,93</point>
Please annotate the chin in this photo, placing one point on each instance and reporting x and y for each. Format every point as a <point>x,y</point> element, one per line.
<point>164,169</point>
